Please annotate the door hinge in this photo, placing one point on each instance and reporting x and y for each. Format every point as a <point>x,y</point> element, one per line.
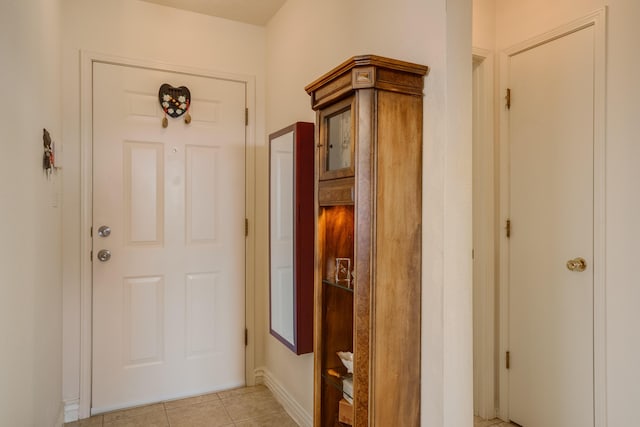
<point>246,337</point>
<point>508,228</point>
<point>246,227</point>
<point>508,360</point>
<point>508,99</point>
<point>91,256</point>
<point>91,232</point>
<point>246,117</point>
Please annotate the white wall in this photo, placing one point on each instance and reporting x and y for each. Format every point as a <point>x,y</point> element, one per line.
<point>136,29</point>
<point>307,39</point>
<point>30,219</point>
<point>484,24</point>
<point>517,21</point>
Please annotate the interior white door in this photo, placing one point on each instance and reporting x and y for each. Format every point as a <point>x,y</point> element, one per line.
<point>551,209</point>
<point>168,306</point>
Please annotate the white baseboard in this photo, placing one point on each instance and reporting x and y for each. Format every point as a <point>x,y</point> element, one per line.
<point>293,408</point>
<point>71,410</point>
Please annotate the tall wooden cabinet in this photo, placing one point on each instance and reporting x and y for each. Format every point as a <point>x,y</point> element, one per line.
<point>368,234</point>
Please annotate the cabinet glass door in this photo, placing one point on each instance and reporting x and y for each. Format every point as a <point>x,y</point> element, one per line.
<point>339,134</point>
<point>336,135</point>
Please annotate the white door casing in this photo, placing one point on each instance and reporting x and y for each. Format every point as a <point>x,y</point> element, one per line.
<point>168,307</point>
<point>556,148</point>
<point>484,220</point>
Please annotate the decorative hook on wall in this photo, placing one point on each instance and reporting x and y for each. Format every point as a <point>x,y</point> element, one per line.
<point>175,101</point>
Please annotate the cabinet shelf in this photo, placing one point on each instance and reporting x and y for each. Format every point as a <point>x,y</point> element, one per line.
<point>336,285</point>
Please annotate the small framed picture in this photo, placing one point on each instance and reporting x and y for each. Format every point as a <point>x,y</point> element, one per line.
<point>343,271</point>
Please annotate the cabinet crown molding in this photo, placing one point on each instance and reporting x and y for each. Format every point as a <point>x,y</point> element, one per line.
<point>367,71</point>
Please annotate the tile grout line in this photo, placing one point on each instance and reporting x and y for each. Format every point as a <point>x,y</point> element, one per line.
<point>166,414</point>
<point>233,422</point>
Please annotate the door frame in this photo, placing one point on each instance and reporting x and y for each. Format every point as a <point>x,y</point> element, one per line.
<point>484,244</point>
<point>597,20</point>
<point>87,59</point>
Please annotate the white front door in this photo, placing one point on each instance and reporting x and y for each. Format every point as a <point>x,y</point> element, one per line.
<point>168,306</point>
<point>551,139</point>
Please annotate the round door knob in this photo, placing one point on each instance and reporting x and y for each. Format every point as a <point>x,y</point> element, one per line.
<point>577,264</point>
<point>104,255</point>
<point>104,231</point>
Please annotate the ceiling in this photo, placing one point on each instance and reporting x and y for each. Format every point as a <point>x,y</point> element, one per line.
<point>257,12</point>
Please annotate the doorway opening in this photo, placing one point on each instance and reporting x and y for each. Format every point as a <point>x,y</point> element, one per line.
<point>484,226</point>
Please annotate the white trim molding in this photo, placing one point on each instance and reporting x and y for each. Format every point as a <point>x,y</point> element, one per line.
<point>71,410</point>
<point>484,235</point>
<point>598,21</point>
<point>87,59</point>
<point>484,244</point>
<point>293,408</point>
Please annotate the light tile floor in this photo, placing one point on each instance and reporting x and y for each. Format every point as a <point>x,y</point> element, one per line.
<point>496,422</point>
<point>242,407</point>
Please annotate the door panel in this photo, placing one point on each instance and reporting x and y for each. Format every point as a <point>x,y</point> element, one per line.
<point>169,305</point>
<point>144,193</point>
<point>551,209</point>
